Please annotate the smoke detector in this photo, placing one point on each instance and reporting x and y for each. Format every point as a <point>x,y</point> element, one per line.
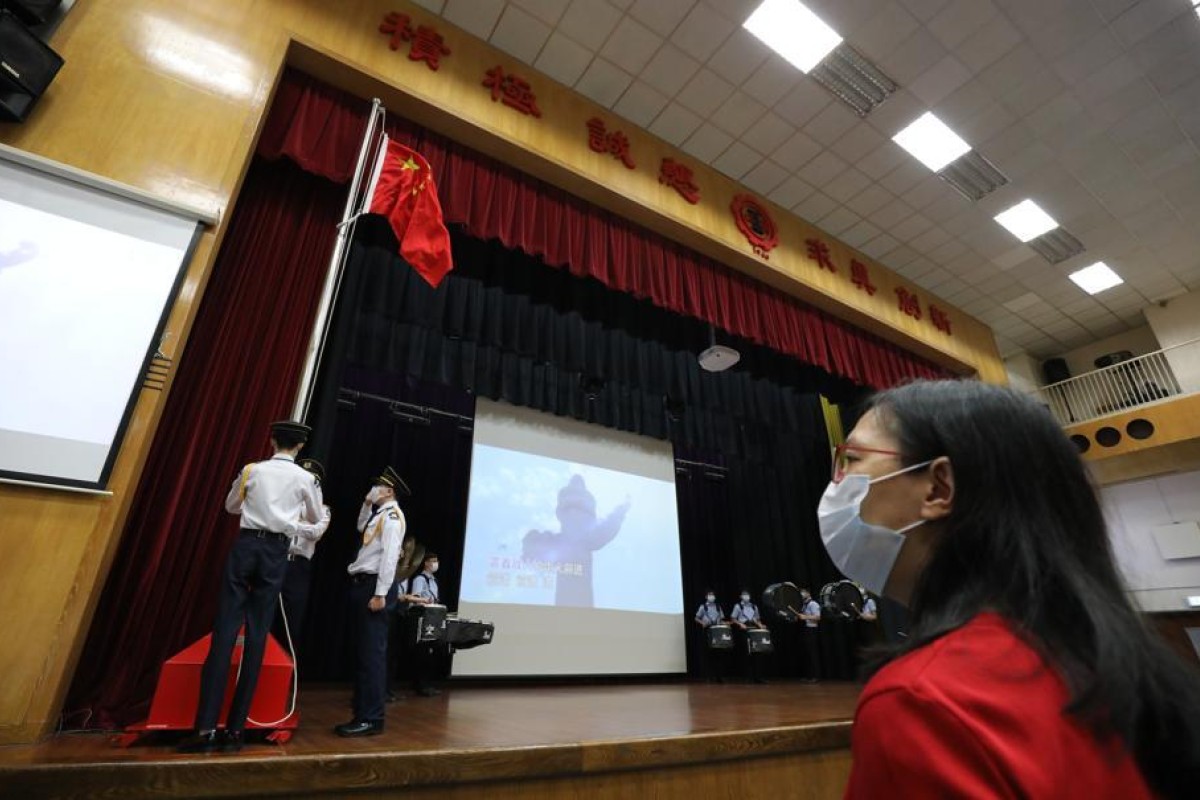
<point>719,358</point>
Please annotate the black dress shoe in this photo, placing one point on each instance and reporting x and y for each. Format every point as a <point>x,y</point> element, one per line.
<point>232,741</point>
<point>364,728</point>
<point>201,742</point>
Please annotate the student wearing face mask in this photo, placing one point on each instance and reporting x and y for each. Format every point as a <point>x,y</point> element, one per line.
<point>424,591</point>
<point>810,621</point>
<point>745,617</point>
<point>372,596</point>
<point>1026,671</point>
<point>707,615</point>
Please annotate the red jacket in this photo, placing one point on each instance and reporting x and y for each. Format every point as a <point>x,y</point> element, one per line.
<point>978,713</point>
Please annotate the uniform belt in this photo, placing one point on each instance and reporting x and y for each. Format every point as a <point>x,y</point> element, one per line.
<point>261,534</point>
<point>363,577</point>
<point>297,557</point>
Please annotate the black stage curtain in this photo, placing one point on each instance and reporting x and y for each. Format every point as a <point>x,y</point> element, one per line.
<point>505,326</point>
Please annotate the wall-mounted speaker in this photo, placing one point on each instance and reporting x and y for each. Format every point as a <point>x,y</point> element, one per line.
<point>1055,370</point>
<point>32,12</point>
<point>27,65</point>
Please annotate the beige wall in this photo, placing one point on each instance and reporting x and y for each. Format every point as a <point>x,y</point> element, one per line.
<point>1176,324</point>
<point>168,97</point>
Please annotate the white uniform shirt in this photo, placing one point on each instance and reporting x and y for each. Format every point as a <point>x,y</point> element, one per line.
<point>745,612</point>
<point>383,533</point>
<point>270,495</point>
<point>811,607</point>
<point>869,608</point>
<point>305,535</point>
<point>425,585</point>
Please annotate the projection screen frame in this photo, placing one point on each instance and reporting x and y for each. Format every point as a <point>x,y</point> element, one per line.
<point>72,175</point>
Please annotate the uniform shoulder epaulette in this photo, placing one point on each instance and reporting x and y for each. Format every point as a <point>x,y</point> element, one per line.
<point>393,515</point>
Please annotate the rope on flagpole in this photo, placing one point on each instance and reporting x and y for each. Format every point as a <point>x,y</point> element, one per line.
<point>333,277</point>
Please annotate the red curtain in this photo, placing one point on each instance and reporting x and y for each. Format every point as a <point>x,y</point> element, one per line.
<point>237,374</point>
<point>320,128</point>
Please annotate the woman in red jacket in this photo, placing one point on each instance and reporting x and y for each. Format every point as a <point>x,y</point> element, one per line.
<point>1026,671</point>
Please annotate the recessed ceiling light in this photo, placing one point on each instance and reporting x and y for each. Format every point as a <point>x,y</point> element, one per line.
<point>931,142</point>
<point>1096,278</point>
<point>792,31</point>
<point>1026,220</point>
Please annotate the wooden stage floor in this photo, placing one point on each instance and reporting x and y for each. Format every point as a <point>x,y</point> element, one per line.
<point>470,734</point>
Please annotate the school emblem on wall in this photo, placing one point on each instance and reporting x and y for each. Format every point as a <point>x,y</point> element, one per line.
<point>755,223</point>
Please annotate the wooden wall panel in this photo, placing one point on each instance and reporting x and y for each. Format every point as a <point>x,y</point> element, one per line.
<point>1173,447</point>
<point>168,97</point>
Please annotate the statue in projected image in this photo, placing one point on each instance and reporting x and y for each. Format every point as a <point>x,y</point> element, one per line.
<point>569,552</point>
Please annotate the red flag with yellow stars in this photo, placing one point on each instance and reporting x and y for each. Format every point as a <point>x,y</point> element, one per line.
<point>402,190</point>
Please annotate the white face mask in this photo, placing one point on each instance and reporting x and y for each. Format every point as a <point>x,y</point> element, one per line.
<point>745,598</point>
<point>373,495</point>
<point>863,552</point>
<point>710,598</point>
<point>433,567</point>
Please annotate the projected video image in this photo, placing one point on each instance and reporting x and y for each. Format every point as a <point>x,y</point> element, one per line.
<point>541,531</point>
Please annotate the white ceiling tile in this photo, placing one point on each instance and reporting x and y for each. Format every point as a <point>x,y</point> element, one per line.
<point>881,244</point>
<point>1107,79</point>
<point>737,160</point>
<point>476,18</point>
<point>914,55</point>
<point>822,169</point>
<point>921,196</point>
<point>988,44</point>
<point>843,15</point>
<point>661,16</point>
<point>640,104</point>
<point>803,102</point>
<point>882,31</point>
<point>740,55</point>
<point>1019,254</point>
<point>831,123</point>
<point>736,10</point>
<point>1018,66</point>
<point>858,142</point>
<point>940,80</point>
<point>548,11</point>
<point>847,185</point>
<point>924,10</point>
<point>956,21</point>
<point>702,32</point>
<point>860,234</point>
<point>963,104</point>
<point>771,81</point>
<point>1033,93</point>
<point>631,45</point>
<point>768,133</point>
<point>883,160</point>
<point>837,221</point>
<point>890,214</point>
<point>562,59</point>
<point>670,69</point>
<point>737,113</point>
<point>797,151</point>
<point>707,143</point>
<point>815,206</point>
<point>434,6</point>
<point>995,117</point>
<point>764,178</point>
<point>896,113</point>
<point>929,240</point>
<point>622,4</point>
<point>1143,19</point>
<point>1111,9</point>
<point>603,82</point>
<point>520,34</point>
<point>791,192</point>
<point>905,177</point>
<point>589,22</point>
<point>705,93</point>
<point>870,200</point>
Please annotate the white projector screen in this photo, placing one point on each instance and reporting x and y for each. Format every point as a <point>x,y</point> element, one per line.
<point>572,549</point>
<point>86,279</point>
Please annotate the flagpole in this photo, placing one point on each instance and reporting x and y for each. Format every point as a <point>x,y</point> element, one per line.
<point>337,264</point>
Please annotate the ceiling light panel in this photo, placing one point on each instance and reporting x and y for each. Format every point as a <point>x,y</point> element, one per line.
<point>1026,220</point>
<point>1096,278</point>
<point>930,141</point>
<point>1056,246</point>
<point>973,175</point>
<point>853,79</point>
<point>793,31</point>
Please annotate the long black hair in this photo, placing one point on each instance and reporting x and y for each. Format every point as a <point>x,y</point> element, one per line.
<point>1027,539</point>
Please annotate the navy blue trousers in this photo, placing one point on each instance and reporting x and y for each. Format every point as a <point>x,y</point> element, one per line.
<point>371,629</point>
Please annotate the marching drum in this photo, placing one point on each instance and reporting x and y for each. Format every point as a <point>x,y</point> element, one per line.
<point>841,600</point>
<point>758,640</point>
<point>784,600</point>
<point>463,634</point>
<point>431,622</point>
<point>720,637</point>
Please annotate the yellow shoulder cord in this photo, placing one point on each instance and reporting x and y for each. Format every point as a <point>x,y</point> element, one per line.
<point>245,477</point>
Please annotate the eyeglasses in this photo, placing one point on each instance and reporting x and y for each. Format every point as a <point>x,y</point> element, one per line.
<point>841,458</point>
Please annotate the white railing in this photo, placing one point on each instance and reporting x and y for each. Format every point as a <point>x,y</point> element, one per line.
<point>1165,373</point>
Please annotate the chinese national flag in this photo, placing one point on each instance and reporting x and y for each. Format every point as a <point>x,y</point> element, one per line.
<point>402,190</point>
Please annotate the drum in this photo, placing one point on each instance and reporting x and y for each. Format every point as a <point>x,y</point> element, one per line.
<point>463,634</point>
<point>758,640</point>
<point>431,622</point>
<point>720,637</point>
<point>783,599</point>
<point>841,600</point>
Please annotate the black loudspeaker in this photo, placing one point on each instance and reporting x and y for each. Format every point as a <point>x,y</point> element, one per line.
<point>27,66</point>
<point>32,12</point>
<point>1055,370</point>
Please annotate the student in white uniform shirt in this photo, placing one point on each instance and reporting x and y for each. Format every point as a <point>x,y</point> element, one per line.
<point>372,597</point>
<point>810,615</point>
<point>269,496</point>
<point>304,537</point>
<point>423,590</point>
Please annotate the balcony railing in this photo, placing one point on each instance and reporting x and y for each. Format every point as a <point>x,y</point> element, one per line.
<point>1165,373</point>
